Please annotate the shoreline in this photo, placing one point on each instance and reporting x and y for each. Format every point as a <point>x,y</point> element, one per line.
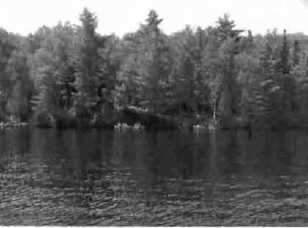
<point>164,123</point>
<point>138,119</point>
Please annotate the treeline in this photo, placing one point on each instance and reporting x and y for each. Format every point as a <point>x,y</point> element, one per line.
<point>68,74</point>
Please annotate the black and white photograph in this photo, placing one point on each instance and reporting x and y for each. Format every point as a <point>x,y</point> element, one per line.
<point>154,113</point>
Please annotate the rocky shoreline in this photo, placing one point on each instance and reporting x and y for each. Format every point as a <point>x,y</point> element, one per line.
<point>4,125</point>
<point>138,119</point>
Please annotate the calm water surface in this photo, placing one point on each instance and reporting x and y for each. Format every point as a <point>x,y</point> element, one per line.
<point>94,177</point>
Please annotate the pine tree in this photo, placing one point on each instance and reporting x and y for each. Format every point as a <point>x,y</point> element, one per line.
<point>155,65</point>
<point>296,53</point>
<point>92,72</point>
<point>284,55</point>
<point>229,47</point>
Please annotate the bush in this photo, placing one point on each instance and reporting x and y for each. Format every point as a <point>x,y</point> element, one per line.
<point>44,119</point>
<point>66,120</point>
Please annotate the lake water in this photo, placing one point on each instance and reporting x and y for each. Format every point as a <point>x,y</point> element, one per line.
<point>97,177</point>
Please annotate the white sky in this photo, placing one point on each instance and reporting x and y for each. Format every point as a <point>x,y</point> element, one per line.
<point>121,16</point>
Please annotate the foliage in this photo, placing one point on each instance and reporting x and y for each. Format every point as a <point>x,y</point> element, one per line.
<point>70,73</point>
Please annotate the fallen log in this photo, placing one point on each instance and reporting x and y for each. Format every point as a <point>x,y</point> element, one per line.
<point>149,120</point>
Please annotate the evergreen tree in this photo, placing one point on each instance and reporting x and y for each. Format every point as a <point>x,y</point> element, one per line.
<point>155,67</point>
<point>229,47</point>
<point>296,53</point>
<point>284,55</point>
<point>92,74</point>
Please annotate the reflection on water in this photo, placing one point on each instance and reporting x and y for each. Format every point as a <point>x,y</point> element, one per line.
<point>50,177</point>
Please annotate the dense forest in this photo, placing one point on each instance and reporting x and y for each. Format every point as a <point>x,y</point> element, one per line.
<point>69,75</point>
